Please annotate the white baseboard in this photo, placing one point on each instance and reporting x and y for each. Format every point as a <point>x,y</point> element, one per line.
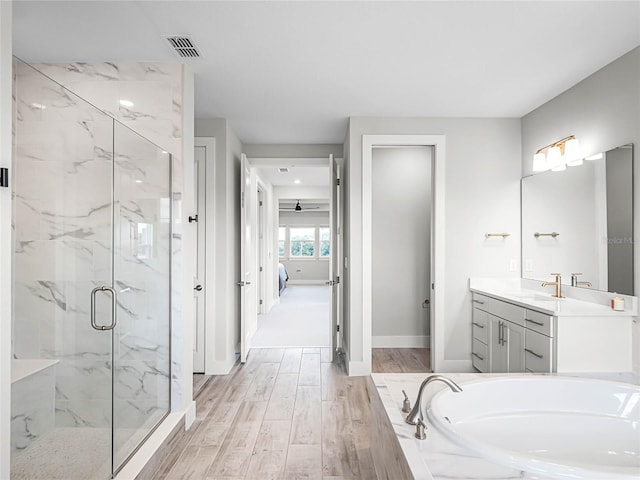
<point>454,366</point>
<point>220,367</point>
<point>307,282</point>
<point>397,341</point>
<point>356,369</point>
<point>190,415</point>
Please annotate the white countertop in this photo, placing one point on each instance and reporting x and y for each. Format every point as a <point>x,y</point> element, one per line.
<point>436,457</point>
<point>517,293</point>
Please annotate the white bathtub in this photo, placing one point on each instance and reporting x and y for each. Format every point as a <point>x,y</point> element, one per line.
<point>558,427</point>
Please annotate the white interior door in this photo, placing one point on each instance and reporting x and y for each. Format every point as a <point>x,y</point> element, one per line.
<point>248,263</point>
<point>200,156</point>
<point>335,224</point>
<point>260,294</point>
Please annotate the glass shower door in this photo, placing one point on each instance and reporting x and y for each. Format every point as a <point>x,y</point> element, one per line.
<point>61,420</point>
<point>142,223</point>
<point>91,305</point>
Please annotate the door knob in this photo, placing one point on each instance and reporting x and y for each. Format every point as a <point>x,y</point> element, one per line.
<point>198,288</point>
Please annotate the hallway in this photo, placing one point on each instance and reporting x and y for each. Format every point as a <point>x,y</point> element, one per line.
<point>285,414</point>
<point>301,319</point>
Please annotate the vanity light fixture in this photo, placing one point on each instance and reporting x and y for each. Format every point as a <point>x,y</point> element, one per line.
<point>597,156</point>
<point>556,156</point>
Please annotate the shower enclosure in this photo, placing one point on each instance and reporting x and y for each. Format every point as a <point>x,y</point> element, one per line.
<point>91,270</point>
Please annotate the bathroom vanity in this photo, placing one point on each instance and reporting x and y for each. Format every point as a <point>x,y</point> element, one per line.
<point>517,327</point>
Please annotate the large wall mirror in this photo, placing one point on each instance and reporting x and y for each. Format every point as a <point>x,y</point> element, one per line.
<point>580,221</point>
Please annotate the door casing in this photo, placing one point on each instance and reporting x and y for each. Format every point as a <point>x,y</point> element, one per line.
<point>437,244</point>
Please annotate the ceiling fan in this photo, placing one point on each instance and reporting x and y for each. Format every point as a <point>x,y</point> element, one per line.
<point>299,208</point>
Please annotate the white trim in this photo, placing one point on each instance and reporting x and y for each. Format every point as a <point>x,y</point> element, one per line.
<point>190,415</point>
<point>357,369</point>
<point>222,367</point>
<point>307,282</point>
<point>209,144</point>
<point>437,234</point>
<point>399,341</point>
<point>6,253</point>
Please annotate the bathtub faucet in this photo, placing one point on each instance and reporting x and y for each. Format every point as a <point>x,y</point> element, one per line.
<point>415,415</point>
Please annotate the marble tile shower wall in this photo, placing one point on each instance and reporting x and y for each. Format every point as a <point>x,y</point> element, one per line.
<point>63,239</point>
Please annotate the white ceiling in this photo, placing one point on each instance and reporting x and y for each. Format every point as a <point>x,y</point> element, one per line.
<point>293,71</point>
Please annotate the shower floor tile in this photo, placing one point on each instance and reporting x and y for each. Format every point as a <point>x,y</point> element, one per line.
<point>66,454</point>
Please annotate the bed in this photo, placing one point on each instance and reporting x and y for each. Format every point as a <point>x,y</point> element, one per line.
<point>282,277</point>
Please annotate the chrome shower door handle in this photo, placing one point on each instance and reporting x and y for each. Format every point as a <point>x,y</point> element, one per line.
<point>114,308</point>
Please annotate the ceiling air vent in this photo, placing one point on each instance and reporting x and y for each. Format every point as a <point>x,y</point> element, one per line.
<point>183,46</point>
<point>283,170</point>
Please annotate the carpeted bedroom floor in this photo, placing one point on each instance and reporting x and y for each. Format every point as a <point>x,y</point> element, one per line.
<point>301,319</point>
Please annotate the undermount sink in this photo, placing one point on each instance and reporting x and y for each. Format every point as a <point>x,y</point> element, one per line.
<point>536,297</point>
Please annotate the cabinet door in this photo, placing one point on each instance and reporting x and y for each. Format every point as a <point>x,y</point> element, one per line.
<point>497,348</point>
<point>514,337</point>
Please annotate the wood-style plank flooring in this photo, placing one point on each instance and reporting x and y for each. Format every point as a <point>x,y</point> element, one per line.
<point>400,360</point>
<point>285,414</point>
<point>200,380</point>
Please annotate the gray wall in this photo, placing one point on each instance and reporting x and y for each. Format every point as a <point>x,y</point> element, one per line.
<point>603,112</point>
<point>401,245</point>
<point>482,170</point>
<point>292,151</point>
<point>223,225</point>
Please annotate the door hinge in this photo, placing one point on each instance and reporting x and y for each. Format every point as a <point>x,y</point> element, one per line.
<point>193,218</point>
<point>338,182</point>
<point>242,200</point>
<point>261,270</point>
<point>4,177</point>
<point>338,279</point>
<point>260,301</point>
<point>260,203</point>
<point>433,286</point>
<point>337,328</point>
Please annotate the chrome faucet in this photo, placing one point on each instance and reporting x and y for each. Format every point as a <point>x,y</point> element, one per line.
<point>558,285</point>
<point>415,416</point>
<point>576,283</point>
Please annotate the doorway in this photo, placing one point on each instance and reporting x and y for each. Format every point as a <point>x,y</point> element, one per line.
<point>436,237</point>
<point>298,252</point>
<point>401,255</point>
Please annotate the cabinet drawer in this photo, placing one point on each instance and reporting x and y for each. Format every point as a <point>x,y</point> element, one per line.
<point>540,322</point>
<point>508,311</point>
<point>538,352</point>
<point>504,310</point>
<point>480,325</point>
<point>481,302</point>
<point>480,356</point>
